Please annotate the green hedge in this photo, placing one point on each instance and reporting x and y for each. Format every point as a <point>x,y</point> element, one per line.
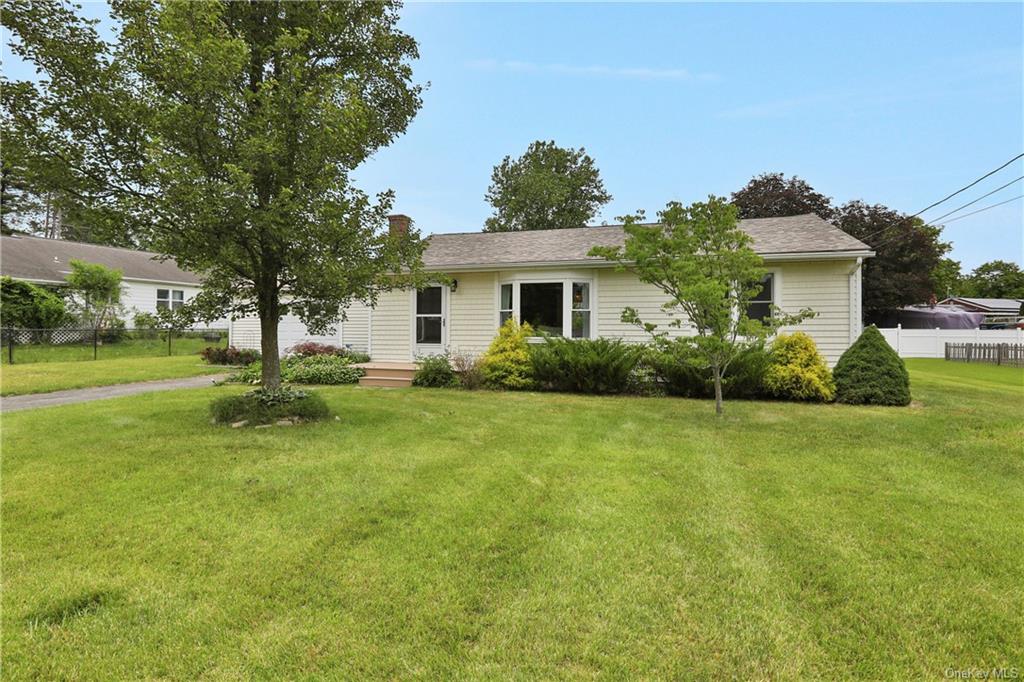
<point>871,373</point>
<point>585,365</point>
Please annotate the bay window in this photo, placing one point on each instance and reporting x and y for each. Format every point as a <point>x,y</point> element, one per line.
<point>555,307</point>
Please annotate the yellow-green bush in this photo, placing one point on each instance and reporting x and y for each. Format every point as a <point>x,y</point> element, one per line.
<point>797,371</point>
<point>506,364</point>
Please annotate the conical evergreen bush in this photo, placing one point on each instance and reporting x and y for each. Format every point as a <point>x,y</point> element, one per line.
<point>871,373</point>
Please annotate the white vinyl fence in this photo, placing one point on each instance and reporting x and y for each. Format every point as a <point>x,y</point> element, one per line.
<point>931,343</point>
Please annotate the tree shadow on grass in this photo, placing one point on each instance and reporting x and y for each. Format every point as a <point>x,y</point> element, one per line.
<point>70,608</point>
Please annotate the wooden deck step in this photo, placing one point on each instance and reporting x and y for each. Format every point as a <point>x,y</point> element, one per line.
<point>387,374</point>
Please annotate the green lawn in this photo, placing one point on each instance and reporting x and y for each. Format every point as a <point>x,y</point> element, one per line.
<point>42,377</point>
<point>129,348</point>
<point>441,535</point>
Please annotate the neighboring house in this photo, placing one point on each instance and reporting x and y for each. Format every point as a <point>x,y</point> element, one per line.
<point>546,278</point>
<point>149,284</point>
<point>997,311</point>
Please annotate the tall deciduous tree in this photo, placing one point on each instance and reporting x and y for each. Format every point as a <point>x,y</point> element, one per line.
<point>995,279</point>
<point>772,195</point>
<point>223,134</point>
<point>547,188</point>
<point>907,251</point>
<point>700,258</point>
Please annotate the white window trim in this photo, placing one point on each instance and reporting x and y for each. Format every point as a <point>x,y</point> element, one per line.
<point>443,346</point>
<point>170,300</point>
<point>566,280</point>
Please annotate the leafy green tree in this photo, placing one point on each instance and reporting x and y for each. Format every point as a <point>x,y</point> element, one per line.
<point>995,279</point>
<point>94,292</point>
<point>772,195</point>
<point>223,135</point>
<point>907,251</point>
<point>547,188</point>
<point>24,305</point>
<point>699,257</point>
<point>946,278</point>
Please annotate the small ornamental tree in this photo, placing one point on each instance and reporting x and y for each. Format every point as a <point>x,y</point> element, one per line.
<point>871,373</point>
<point>94,293</point>
<point>699,257</point>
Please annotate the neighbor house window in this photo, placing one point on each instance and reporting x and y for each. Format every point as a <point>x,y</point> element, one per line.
<point>558,308</point>
<point>760,306</point>
<point>169,298</point>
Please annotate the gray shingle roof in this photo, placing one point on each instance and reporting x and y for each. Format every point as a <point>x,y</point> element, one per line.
<point>771,236</point>
<point>35,258</point>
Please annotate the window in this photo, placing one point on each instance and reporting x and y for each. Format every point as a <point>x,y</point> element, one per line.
<point>541,305</point>
<point>428,315</point>
<point>558,308</point>
<point>505,306</point>
<point>580,310</point>
<point>760,307</point>
<point>169,298</point>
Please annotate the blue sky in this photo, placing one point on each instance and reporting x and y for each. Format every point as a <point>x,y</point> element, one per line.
<point>894,104</point>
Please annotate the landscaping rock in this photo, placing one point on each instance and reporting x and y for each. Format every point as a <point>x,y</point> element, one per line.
<point>285,422</point>
<point>263,426</point>
<point>238,425</point>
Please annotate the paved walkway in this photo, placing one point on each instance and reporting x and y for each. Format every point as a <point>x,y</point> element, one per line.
<point>15,403</point>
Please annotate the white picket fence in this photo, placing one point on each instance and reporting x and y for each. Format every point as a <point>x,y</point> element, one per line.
<point>931,343</point>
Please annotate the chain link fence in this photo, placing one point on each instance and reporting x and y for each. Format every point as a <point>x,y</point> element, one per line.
<point>69,345</point>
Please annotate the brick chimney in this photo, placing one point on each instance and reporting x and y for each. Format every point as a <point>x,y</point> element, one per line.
<point>399,224</point>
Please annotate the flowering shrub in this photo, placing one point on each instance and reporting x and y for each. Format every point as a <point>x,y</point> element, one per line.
<point>506,364</point>
<point>797,371</point>
<point>214,355</point>
<point>312,348</point>
<point>313,369</point>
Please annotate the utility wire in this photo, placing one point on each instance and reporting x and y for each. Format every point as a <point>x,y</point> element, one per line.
<point>965,187</point>
<point>980,210</point>
<point>935,220</point>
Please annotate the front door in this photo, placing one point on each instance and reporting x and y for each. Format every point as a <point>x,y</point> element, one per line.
<point>430,330</point>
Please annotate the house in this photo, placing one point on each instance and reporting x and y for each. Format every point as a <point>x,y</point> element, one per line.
<point>148,283</point>
<point>547,278</point>
<point>998,312</point>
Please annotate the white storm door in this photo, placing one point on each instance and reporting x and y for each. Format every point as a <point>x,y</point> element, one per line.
<point>430,326</point>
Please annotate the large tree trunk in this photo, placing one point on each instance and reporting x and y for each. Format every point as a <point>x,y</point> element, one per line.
<point>718,389</point>
<point>270,316</point>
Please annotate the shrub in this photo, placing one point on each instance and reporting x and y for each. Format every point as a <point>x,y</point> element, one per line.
<point>265,407</point>
<point>320,369</point>
<point>114,332</point>
<point>871,373</point>
<point>215,355</point>
<point>435,371</point>
<point>584,365</point>
<point>147,325</point>
<point>506,364</point>
<point>681,371</point>
<point>356,358</point>
<point>312,348</point>
<point>26,306</point>
<point>469,371</point>
<point>797,371</point>
<point>250,374</point>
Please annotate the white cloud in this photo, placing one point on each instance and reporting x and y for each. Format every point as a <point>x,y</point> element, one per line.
<point>596,70</point>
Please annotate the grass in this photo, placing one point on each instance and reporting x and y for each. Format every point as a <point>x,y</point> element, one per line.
<point>129,348</point>
<point>432,534</point>
<point>43,377</point>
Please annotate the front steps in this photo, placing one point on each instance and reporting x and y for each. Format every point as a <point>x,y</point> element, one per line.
<point>387,374</point>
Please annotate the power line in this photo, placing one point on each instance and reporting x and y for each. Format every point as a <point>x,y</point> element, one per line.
<point>965,187</point>
<point>965,215</point>
<point>935,220</point>
<point>980,210</point>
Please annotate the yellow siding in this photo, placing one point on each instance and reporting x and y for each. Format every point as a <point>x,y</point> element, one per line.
<point>391,322</point>
<point>824,287</point>
<point>619,290</point>
<point>355,330</point>
<point>472,313</point>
